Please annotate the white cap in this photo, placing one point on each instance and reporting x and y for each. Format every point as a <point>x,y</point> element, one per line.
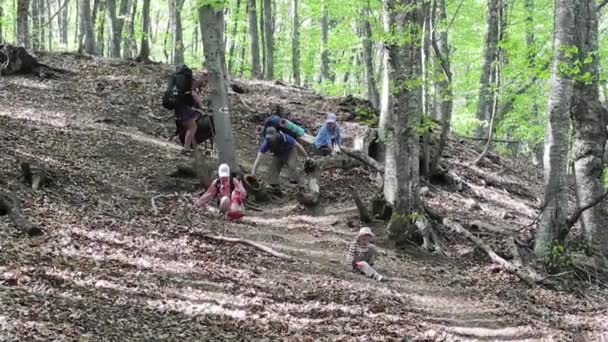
<point>223,171</point>
<point>365,231</point>
<point>331,117</point>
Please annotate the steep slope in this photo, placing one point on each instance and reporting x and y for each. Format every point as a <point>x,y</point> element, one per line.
<point>111,268</point>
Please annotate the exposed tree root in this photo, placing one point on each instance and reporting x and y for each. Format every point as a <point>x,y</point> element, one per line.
<point>363,212</point>
<point>10,205</point>
<point>367,160</point>
<point>528,277</point>
<point>254,244</point>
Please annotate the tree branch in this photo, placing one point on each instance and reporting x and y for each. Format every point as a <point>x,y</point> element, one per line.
<point>577,214</point>
<point>365,159</point>
<point>530,278</point>
<point>600,6</point>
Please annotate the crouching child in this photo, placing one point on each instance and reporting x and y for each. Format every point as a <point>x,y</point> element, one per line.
<point>229,193</point>
<point>362,255</point>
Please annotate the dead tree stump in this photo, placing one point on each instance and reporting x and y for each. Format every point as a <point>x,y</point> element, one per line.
<point>10,205</point>
<point>16,60</point>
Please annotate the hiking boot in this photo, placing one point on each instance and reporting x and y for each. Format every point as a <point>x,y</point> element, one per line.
<point>186,152</point>
<point>379,278</point>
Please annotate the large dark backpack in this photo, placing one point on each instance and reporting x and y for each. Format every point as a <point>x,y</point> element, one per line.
<point>179,89</point>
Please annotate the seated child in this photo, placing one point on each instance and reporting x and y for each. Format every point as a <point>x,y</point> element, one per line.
<point>228,191</point>
<point>362,254</point>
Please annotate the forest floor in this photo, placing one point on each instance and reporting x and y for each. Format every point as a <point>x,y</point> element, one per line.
<point>109,268</point>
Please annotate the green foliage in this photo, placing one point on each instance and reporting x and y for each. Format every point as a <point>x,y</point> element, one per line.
<point>561,256</point>
<point>367,116</point>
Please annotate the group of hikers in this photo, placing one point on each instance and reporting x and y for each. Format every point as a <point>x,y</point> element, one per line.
<point>184,97</point>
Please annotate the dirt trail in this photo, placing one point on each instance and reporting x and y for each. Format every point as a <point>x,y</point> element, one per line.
<point>109,269</point>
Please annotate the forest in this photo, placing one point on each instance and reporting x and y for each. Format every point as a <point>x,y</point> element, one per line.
<point>473,155</point>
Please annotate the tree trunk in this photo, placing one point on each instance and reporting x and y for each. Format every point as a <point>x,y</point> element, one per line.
<point>41,29</point>
<point>255,43</point>
<point>116,25</point>
<point>491,54</point>
<point>406,19</point>
<point>262,38</point>
<point>49,20</point>
<point>99,6</point>
<point>553,219</point>
<point>130,45</point>
<point>64,22</point>
<point>144,52</point>
<point>23,28</point>
<point>325,73</point>
<point>35,14</point>
<point>589,128</point>
<point>368,57</point>
<point>1,22</point>
<point>177,53</point>
<point>87,38</point>
<point>443,84</point>
<point>295,45</point>
<point>269,40</point>
<point>386,127</point>
<point>233,39</point>
<point>212,28</point>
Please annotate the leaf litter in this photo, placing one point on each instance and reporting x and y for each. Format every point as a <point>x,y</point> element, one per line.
<point>109,269</point>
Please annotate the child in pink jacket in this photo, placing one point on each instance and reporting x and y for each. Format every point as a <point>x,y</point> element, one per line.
<point>228,191</point>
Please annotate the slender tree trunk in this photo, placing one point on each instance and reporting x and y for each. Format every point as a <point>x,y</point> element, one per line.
<point>589,128</point>
<point>386,125</point>
<point>78,39</point>
<point>130,47</point>
<point>491,54</point>
<point>325,73</point>
<point>552,226</point>
<point>263,38</point>
<point>268,40</point>
<point>255,43</point>
<point>368,57</point>
<point>144,52</point>
<point>212,27</point>
<point>86,28</point>
<point>64,22</point>
<point>406,18</point>
<point>35,14</point>
<point>233,40</point>
<point>42,30</point>
<point>530,6</point>
<point>295,44</point>
<point>116,24</point>
<point>443,84</point>
<point>49,20</point>
<point>99,8</point>
<point>177,48</point>
<point>2,19</point>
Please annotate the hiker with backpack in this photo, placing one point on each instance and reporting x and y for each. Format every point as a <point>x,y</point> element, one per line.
<point>229,193</point>
<point>285,151</point>
<point>182,96</point>
<point>328,139</point>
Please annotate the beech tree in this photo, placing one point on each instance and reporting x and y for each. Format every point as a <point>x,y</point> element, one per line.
<point>86,39</point>
<point>212,29</point>
<point>256,70</point>
<point>23,27</point>
<point>589,126</point>
<point>144,52</point>
<point>405,19</point>
<point>552,225</point>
